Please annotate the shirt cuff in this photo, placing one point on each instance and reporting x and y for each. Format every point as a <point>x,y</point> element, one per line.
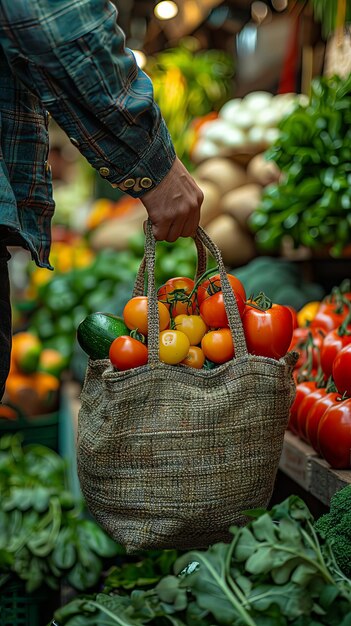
<point>152,167</point>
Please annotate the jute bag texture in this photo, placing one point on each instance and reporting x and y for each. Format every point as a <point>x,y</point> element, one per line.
<point>169,456</point>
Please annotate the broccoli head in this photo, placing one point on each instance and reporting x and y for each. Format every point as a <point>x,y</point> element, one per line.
<point>335,527</point>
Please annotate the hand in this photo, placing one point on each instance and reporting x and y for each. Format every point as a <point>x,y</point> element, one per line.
<point>174,205</point>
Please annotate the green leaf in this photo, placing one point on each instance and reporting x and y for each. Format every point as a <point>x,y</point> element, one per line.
<point>84,576</point>
<point>98,540</point>
<point>263,528</point>
<point>292,600</point>
<point>169,590</point>
<point>64,554</point>
<point>303,574</point>
<point>261,561</point>
<point>246,545</point>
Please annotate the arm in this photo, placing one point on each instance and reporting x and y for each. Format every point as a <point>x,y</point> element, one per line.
<point>71,53</point>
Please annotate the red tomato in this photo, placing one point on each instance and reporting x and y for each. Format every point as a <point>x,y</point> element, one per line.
<point>213,285</point>
<point>334,435</point>
<point>268,333</point>
<point>342,370</point>
<point>303,410</point>
<point>126,353</point>
<point>175,295</point>
<point>332,344</point>
<point>315,415</point>
<point>329,316</point>
<point>212,310</point>
<point>302,390</point>
<point>294,316</point>
<point>135,314</point>
<point>217,345</point>
<point>299,343</point>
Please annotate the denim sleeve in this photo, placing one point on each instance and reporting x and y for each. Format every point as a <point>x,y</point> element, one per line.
<point>72,54</point>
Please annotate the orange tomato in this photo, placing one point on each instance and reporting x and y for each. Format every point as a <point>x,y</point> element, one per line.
<point>175,294</point>
<point>218,346</point>
<point>135,315</point>
<point>195,358</point>
<point>192,326</point>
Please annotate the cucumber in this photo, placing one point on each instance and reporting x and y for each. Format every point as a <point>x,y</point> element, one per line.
<point>97,331</point>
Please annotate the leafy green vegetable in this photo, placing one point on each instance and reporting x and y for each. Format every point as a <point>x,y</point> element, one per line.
<point>43,534</point>
<point>311,204</point>
<point>275,572</point>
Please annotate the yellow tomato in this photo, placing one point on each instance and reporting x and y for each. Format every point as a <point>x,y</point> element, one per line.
<point>192,326</point>
<point>307,313</point>
<point>195,358</point>
<point>174,346</point>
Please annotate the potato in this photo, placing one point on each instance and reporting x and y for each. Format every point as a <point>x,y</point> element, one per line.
<point>242,202</point>
<point>211,205</point>
<point>223,173</point>
<point>262,172</point>
<point>115,233</point>
<point>236,246</point>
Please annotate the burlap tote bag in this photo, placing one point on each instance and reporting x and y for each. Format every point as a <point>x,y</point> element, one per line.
<point>170,456</point>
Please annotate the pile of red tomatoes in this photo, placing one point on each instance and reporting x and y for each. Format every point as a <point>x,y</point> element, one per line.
<point>194,329</point>
<point>321,412</point>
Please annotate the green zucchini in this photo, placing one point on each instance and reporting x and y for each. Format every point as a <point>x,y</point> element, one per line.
<point>97,331</point>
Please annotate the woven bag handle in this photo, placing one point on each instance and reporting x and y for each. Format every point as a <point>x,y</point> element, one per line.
<point>138,289</point>
<point>231,307</point>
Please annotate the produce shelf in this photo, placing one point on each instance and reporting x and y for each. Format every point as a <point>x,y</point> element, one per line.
<point>301,463</point>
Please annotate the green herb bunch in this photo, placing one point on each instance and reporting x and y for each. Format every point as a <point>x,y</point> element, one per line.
<point>43,536</point>
<point>273,573</point>
<point>312,202</point>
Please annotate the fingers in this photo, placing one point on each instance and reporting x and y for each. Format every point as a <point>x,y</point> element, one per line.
<point>174,205</point>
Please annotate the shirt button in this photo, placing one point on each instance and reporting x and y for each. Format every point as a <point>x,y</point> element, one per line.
<point>74,141</point>
<point>129,183</point>
<point>104,171</point>
<point>146,182</point>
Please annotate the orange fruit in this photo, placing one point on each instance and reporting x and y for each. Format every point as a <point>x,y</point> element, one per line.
<point>26,349</point>
<point>51,362</point>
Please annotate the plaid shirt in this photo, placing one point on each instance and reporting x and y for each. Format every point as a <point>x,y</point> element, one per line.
<point>68,57</point>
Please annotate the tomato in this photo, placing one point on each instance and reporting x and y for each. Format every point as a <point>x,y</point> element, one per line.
<point>342,370</point>
<point>268,333</point>
<point>302,390</point>
<point>213,285</point>
<point>332,344</point>
<point>174,346</point>
<point>135,314</point>
<point>126,353</point>
<point>315,415</point>
<point>302,412</point>
<point>329,316</point>
<point>294,316</point>
<point>334,435</point>
<point>300,341</point>
<point>192,326</point>
<point>175,295</point>
<point>195,358</point>
<point>218,346</point>
<point>212,310</point>
<point>307,313</point>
